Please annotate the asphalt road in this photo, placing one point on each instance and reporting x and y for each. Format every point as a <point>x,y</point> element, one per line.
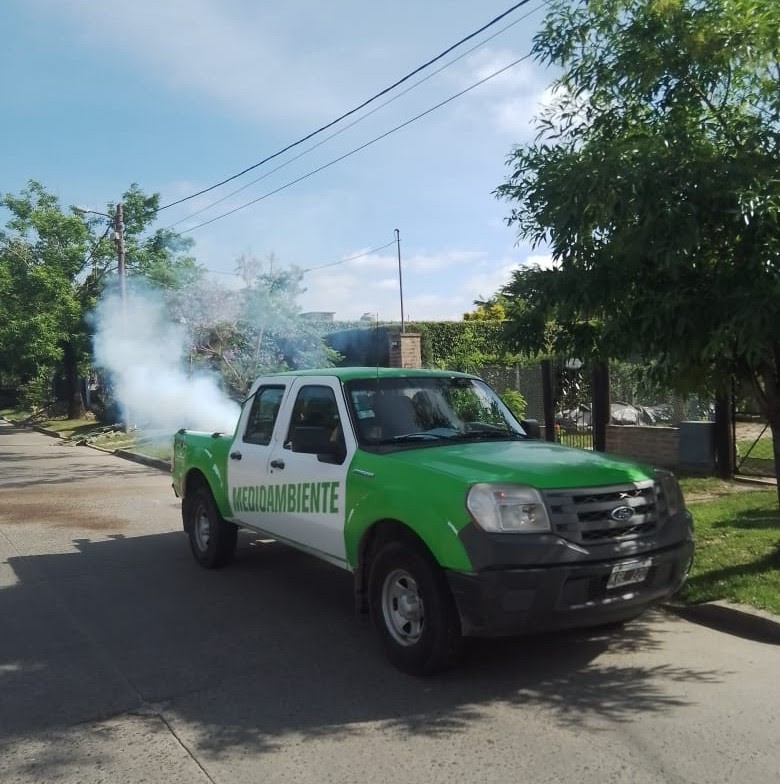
<point>121,660</point>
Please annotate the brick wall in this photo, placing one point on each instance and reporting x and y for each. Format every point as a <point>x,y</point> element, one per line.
<point>405,350</point>
<point>658,446</point>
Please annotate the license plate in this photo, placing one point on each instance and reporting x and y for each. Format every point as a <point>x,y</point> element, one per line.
<point>628,573</point>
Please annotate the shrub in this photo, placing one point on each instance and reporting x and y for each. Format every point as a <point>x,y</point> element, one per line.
<point>515,402</point>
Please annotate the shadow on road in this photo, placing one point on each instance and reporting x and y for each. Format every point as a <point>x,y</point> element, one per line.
<point>271,646</point>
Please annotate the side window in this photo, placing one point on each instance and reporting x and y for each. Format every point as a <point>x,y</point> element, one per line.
<point>262,415</point>
<point>315,426</point>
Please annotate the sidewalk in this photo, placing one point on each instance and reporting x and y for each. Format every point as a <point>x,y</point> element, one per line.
<point>737,619</point>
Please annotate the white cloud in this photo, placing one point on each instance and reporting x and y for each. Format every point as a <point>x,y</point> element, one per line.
<point>434,285</point>
<point>543,261</point>
<point>435,307</point>
<point>236,53</point>
<point>489,279</point>
<point>513,98</point>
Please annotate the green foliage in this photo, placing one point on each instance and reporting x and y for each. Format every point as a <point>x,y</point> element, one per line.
<point>463,345</point>
<point>493,309</point>
<point>243,333</point>
<point>53,266</point>
<point>654,183</point>
<point>515,402</point>
<point>737,553</point>
<point>456,345</point>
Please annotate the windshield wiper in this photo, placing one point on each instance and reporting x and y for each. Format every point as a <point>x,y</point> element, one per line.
<point>486,435</point>
<point>409,437</point>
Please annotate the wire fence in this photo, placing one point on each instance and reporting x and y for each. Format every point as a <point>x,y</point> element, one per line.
<point>635,400</point>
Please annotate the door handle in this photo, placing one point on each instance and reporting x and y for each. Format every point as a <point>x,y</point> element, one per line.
<point>235,455</point>
<point>277,464</point>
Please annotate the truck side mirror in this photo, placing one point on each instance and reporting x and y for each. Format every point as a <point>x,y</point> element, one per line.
<point>531,427</point>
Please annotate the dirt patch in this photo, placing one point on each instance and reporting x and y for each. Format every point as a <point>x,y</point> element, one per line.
<point>751,431</point>
<point>59,515</point>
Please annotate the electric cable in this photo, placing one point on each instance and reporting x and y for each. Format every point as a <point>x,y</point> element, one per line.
<point>360,148</point>
<point>359,119</point>
<point>351,258</point>
<point>304,270</point>
<point>356,109</point>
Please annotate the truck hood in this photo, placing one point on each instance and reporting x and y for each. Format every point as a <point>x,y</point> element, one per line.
<point>537,463</point>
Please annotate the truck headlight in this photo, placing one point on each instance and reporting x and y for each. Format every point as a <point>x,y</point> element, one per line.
<point>670,488</point>
<point>508,508</point>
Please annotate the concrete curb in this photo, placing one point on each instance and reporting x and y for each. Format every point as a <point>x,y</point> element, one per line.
<point>152,462</point>
<point>731,618</point>
<point>52,433</point>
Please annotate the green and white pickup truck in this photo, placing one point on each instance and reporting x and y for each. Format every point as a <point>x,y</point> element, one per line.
<point>453,517</point>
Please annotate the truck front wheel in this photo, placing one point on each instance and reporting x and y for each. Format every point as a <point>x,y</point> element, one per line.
<point>212,539</point>
<point>413,609</point>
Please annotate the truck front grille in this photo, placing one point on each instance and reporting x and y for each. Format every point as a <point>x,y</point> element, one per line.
<point>589,516</point>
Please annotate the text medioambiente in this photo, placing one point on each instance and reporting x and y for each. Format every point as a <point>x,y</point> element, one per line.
<point>293,498</point>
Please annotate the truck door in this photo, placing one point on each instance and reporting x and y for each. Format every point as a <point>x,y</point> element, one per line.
<point>250,453</point>
<point>308,469</point>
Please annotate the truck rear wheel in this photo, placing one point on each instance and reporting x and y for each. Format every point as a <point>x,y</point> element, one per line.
<point>413,610</point>
<point>212,539</point>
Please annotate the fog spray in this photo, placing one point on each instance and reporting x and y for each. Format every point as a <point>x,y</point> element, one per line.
<point>144,352</point>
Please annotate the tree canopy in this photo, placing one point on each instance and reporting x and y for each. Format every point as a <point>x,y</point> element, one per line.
<point>54,263</point>
<point>492,309</point>
<point>257,328</point>
<point>654,182</point>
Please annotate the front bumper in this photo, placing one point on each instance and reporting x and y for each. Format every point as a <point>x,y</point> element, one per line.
<point>507,601</point>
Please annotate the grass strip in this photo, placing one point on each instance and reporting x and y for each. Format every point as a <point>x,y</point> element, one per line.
<point>737,550</point>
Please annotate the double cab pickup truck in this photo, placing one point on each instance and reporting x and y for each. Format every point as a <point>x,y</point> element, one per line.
<point>454,518</point>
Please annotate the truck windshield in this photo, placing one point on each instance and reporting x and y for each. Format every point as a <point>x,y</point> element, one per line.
<point>428,409</point>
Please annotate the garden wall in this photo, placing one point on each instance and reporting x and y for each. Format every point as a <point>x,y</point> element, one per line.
<point>655,445</point>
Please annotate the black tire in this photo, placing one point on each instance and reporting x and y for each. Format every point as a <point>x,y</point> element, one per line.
<point>212,539</point>
<point>413,610</point>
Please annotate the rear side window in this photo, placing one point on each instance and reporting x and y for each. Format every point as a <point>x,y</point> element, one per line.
<point>262,416</point>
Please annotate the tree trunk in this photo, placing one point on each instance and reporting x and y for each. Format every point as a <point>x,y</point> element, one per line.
<point>767,387</point>
<point>774,426</point>
<point>73,397</point>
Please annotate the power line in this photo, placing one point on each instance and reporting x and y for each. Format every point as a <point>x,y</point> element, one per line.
<point>319,266</point>
<point>365,103</point>
<point>360,148</point>
<point>351,258</point>
<point>358,120</point>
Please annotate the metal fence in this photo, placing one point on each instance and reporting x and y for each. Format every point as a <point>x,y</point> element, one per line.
<point>525,379</point>
<point>571,392</point>
<point>753,442</point>
<point>636,400</point>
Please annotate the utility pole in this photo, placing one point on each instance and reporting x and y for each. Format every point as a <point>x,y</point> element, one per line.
<point>119,236</point>
<point>400,278</point>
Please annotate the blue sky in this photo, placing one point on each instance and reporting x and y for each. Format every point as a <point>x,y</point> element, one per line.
<point>179,94</point>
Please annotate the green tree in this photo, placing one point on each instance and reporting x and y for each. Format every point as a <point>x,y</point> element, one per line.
<point>53,266</point>
<point>654,182</point>
<point>493,309</point>
<point>258,328</point>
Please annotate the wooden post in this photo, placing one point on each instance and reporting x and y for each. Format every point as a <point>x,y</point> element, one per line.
<point>547,394</point>
<point>724,437</point>
<point>601,412</point>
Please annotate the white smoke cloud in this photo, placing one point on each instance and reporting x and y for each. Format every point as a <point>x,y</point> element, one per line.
<point>142,349</point>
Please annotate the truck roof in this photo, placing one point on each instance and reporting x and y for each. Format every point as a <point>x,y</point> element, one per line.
<point>351,373</point>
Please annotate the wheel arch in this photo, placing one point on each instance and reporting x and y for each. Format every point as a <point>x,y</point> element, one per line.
<point>196,478</point>
<point>380,532</point>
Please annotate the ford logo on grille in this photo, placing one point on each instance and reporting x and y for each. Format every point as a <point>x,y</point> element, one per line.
<point>622,513</point>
